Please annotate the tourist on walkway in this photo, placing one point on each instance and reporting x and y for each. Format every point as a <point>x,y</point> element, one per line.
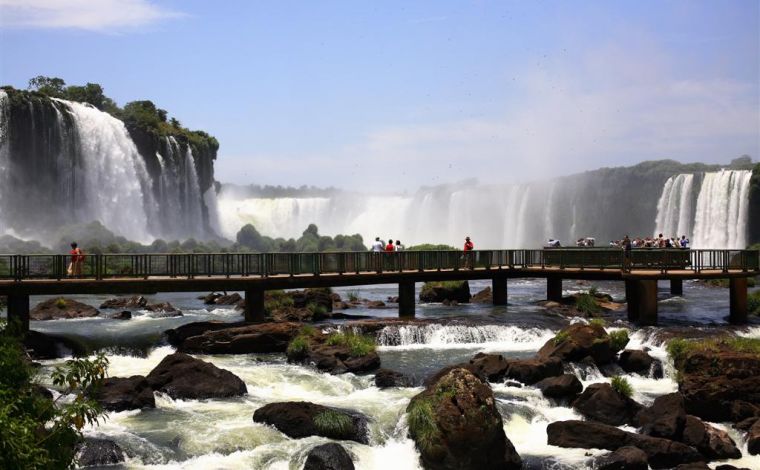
<point>389,247</point>
<point>77,260</point>
<point>468,255</point>
<point>377,247</point>
<point>399,246</point>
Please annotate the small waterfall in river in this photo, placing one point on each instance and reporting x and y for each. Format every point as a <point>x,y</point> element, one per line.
<point>713,213</point>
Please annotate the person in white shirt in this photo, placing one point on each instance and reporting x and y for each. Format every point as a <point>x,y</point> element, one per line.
<point>378,246</point>
<point>399,246</point>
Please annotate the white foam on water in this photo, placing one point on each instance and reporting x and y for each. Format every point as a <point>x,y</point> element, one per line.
<point>435,336</point>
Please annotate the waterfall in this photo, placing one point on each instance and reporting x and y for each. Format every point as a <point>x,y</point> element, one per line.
<point>674,209</point>
<point>506,337</point>
<point>720,217</point>
<point>722,210</point>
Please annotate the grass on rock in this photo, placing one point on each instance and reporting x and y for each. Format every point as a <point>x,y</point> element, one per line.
<point>358,345</point>
<point>333,423</point>
<point>679,348</point>
<point>561,337</point>
<point>618,339</point>
<point>586,303</point>
<point>622,386</point>
<point>422,425</point>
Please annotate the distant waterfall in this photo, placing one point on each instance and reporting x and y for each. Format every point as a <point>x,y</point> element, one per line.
<point>674,209</point>
<point>179,194</point>
<point>719,219</point>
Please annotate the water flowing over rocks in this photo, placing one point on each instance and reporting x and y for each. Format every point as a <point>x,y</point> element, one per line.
<point>303,419</point>
<point>713,443</point>
<point>98,452</point>
<point>254,338</point>
<point>661,453</point>
<point>600,402</point>
<point>330,456</point>
<point>578,341</point>
<point>386,378</point>
<point>456,425</point>
<point>133,302</point>
<point>125,393</point>
<point>176,336</point>
<point>216,298</point>
<point>182,376</point>
<point>163,309</point>
<point>62,308</point>
<point>337,357</point>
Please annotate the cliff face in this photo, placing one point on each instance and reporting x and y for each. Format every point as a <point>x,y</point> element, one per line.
<point>63,162</point>
<point>754,206</point>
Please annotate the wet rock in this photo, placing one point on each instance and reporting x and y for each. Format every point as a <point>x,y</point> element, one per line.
<point>730,467</point>
<point>624,458</point>
<point>330,456</point>
<point>318,296</point>
<point>294,314</point>
<point>741,410</point>
<point>252,338</point>
<point>491,366</point>
<point>163,309</point>
<point>98,452</point>
<point>176,336</point>
<point>693,466</point>
<point>134,302</point>
<point>302,419</point>
<point>123,315</point>
<point>746,424</point>
<point>458,291</point>
<point>341,306</point>
<point>436,376</point>
<point>375,304</point>
<point>713,443</point>
<point>563,386</point>
<point>44,346</point>
<point>665,418</point>
<point>182,376</point>
<point>530,371</point>
<point>661,453</point>
<point>753,439</point>
<point>656,372</point>
<point>634,360</point>
<point>386,378</point>
<point>455,424</point>
<point>62,308</point>
<point>125,393</point>
<point>216,298</point>
<point>577,341</point>
<point>600,402</point>
<point>483,297</point>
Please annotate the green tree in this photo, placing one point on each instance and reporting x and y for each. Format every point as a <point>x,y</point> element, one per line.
<point>37,431</point>
<point>91,93</point>
<point>250,238</point>
<point>51,86</point>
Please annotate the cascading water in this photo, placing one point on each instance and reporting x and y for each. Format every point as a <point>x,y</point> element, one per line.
<point>713,214</point>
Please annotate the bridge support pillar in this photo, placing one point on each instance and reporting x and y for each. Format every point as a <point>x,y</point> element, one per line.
<point>554,289</point>
<point>254,305</point>
<point>738,302</point>
<point>499,290</point>
<point>641,297</point>
<point>676,287</point>
<point>406,303</point>
<point>18,311</point>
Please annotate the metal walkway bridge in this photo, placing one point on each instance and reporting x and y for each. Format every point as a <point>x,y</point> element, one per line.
<point>255,273</point>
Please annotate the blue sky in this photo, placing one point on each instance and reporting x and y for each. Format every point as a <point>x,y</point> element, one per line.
<point>394,95</point>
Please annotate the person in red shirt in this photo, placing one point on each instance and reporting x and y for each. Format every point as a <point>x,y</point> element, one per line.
<point>389,246</point>
<point>77,260</point>
<point>468,246</point>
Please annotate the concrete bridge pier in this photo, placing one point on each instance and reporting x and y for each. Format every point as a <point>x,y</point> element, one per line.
<point>18,311</point>
<point>254,305</point>
<point>554,289</point>
<point>406,302</point>
<point>738,300</point>
<point>676,287</point>
<point>641,297</point>
<point>499,290</point>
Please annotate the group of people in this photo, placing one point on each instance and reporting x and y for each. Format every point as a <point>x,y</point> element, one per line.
<point>652,242</point>
<point>380,246</point>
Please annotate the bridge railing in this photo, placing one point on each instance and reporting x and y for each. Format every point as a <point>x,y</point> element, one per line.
<point>103,266</point>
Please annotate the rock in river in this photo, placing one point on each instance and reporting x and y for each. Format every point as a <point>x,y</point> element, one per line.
<point>302,419</point>
<point>125,393</point>
<point>182,376</point>
<point>330,456</point>
<point>60,308</point>
<point>600,402</point>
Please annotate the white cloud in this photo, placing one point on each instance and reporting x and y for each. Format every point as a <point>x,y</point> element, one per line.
<point>91,15</point>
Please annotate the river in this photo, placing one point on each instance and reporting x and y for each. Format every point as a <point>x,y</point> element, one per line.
<point>220,433</point>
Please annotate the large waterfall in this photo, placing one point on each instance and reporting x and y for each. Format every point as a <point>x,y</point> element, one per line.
<point>712,209</point>
<point>63,162</point>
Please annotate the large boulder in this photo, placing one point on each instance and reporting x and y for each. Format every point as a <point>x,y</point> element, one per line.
<point>336,352</point>
<point>121,303</point>
<point>456,425</point>
<point>624,458</point>
<point>753,438</point>
<point>665,418</point>
<point>386,378</point>
<point>530,371</point>
<point>176,336</point>
<point>317,296</point>
<point>437,291</point>
<point>483,297</point>
<point>713,443</point>
<point>563,386</point>
<point>45,346</point>
<point>94,452</point>
<point>491,366</point>
<point>216,298</point>
<point>163,310</point>
<point>661,453</point>
<point>600,402</point>
<point>330,456</point>
<point>253,338</point>
<point>302,419</point>
<point>125,393</point>
<point>62,308</point>
<point>636,361</point>
<point>577,341</point>
<point>182,376</point>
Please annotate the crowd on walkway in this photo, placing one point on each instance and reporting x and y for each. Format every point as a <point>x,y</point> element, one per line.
<point>380,246</point>
<point>652,242</point>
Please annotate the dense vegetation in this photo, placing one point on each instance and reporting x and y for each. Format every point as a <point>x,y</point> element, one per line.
<point>142,114</point>
<point>38,431</point>
<point>249,239</point>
